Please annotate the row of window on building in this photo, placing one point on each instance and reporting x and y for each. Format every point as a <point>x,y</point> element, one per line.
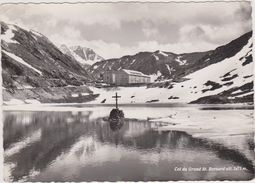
<point>125,77</point>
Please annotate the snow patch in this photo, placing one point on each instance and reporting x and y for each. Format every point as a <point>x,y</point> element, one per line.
<point>20,60</point>
<point>85,94</point>
<point>104,65</point>
<point>28,86</point>
<point>162,53</point>
<point>36,33</point>
<point>32,101</point>
<point>84,53</point>
<point>155,76</point>
<point>74,95</point>
<point>89,62</point>
<point>14,102</point>
<point>169,69</point>
<point>133,61</point>
<point>9,35</point>
<point>156,57</point>
<point>181,62</point>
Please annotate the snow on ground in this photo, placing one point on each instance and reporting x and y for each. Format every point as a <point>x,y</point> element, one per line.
<point>188,90</point>
<point>36,33</point>
<point>181,62</point>
<point>229,127</point>
<point>32,101</point>
<point>17,102</point>
<point>20,86</point>
<point>202,122</point>
<point>20,60</point>
<point>14,102</point>
<point>28,86</point>
<point>104,65</point>
<point>85,94</point>
<point>79,59</point>
<point>8,35</point>
<point>214,73</point>
<point>95,66</point>
<point>84,53</point>
<point>74,94</point>
<point>169,69</point>
<point>245,94</point>
<point>90,62</point>
<point>162,53</point>
<point>126,94</point>
<point>155,76</point>
<point>156,57</point>
<point>133,61</point>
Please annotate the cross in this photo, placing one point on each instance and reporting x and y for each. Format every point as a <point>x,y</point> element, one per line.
<point>116,98</point>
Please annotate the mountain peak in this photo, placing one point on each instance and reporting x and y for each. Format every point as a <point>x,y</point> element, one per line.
<point>84,55</point>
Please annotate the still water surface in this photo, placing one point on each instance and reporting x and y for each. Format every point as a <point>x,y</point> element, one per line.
<point>72,146</point>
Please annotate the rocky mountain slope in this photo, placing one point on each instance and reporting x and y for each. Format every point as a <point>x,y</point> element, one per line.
<point>85,56</point>
<point>167,65</point>
<point>29,59</point>
<point>158,63</point>
<point>224,75</point>
<point>34,69</point>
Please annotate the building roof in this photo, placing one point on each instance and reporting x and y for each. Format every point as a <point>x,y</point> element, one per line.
<point>135,73</point>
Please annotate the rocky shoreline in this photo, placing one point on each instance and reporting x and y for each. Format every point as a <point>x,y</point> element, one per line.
<point>50,94</point>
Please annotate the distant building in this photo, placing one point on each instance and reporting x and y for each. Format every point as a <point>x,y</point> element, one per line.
<point>125,77</point>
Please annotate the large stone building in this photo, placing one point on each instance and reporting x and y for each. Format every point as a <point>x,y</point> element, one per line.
<point>125,77</point>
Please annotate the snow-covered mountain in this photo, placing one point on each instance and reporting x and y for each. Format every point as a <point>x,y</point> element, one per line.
<point>224,75</point>
<point>168,65</point>
<point>83,55</point>
<point>158,64</point>
<point>29,59</point>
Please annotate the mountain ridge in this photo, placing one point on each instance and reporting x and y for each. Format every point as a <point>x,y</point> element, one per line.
<point>85,56</point>
<point>223,75</point>
<point>168,65</point>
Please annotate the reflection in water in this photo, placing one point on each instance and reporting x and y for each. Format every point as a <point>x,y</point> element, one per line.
<point>49,143</point>
<point>115,125</point>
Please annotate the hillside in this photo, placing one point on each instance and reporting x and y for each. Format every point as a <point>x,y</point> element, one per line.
<point>167,65</point>
<point>30,59</point>
<point>158,64</point>
<point>224,75</point>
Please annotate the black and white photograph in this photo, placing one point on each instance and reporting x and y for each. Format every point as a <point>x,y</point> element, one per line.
<point>127,91</point>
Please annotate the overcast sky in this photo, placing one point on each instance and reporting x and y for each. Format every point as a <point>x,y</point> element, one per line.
<point>117,29</point>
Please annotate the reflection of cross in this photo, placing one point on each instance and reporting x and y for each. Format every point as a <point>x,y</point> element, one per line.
<point>116,98</point>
